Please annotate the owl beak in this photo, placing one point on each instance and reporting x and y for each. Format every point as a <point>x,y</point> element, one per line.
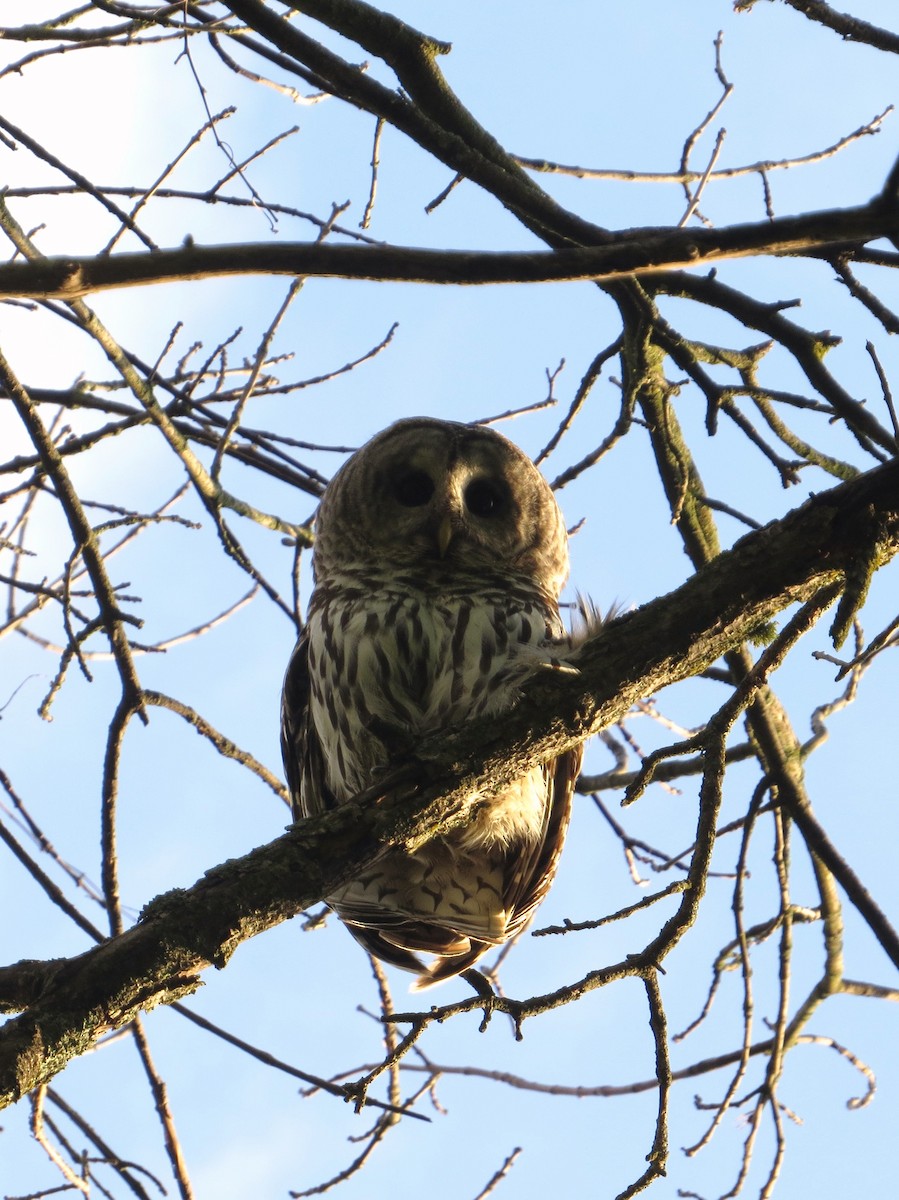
<point>444,534</point>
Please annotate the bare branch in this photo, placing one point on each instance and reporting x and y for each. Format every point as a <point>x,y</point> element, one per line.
<point>633,252</point>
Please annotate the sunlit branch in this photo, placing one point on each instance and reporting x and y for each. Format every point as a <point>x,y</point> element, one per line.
<point>631,252</point>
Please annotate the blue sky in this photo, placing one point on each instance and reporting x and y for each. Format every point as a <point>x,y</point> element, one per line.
<point>616,86</point>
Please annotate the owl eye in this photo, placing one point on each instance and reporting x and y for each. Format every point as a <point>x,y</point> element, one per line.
<point>484,498</point>
<point>413,488</point>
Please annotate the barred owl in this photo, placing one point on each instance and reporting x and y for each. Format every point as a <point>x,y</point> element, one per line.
<point>439,557</point>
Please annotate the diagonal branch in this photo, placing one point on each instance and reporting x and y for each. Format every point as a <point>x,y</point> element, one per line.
<point>70,1003</point>
<point>83,535</point>
<point>849,27</point>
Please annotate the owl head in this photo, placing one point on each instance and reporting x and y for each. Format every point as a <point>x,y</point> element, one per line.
<point>443,496</point>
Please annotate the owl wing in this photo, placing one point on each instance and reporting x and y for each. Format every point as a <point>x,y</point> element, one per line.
<point>531,872</point>
<point>309,793</point>
<point>300,746</point>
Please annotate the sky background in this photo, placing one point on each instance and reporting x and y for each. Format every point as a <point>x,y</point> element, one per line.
<point>618,85</point>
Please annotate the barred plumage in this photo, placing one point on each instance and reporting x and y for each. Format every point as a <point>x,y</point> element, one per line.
<point>440,554</point>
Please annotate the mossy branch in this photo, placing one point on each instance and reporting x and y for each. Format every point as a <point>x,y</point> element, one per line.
<point>70,1003</point>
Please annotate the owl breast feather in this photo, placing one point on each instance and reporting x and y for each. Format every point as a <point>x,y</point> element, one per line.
<point>415,664</point>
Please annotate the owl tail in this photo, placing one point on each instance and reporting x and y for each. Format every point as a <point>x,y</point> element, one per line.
<point>452,956</point>
<point>446,966</point>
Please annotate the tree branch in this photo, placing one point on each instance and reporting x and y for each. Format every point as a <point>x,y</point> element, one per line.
<point>183,932</point>
<point>850,28</point>
<point>631,252</point>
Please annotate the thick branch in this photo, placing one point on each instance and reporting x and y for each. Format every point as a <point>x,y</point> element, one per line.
<point>852,29</point>
<point>631,252</point>
<point>185,931</point>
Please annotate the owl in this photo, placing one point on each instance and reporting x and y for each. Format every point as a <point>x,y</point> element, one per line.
<point>439,557</point>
